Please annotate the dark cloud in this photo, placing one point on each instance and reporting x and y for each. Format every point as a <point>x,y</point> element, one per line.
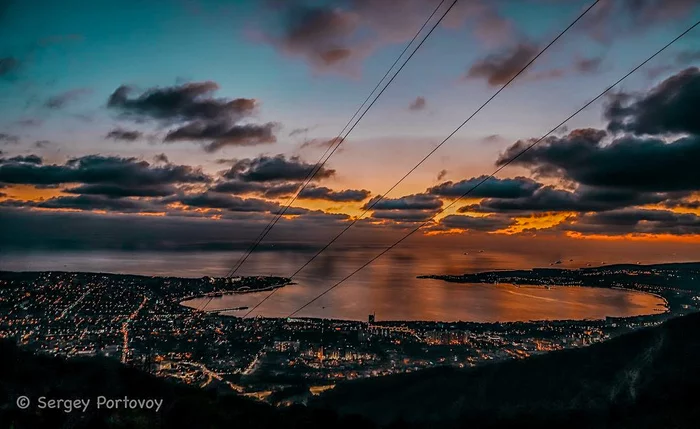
<point>29,159</point>
<point>87,203</point>
<point>97,169</point>
<point>319,34</point>
<point>335,55</point>
<point>59,101</point>
<point>418,104</point>
<point>178,231</point>
<point>8,65</point>
<point>499,68</point>
<point>297,131</point>
<point>487,187</point>
<point>629,162</point>
<point>583,199</point>
<point>277,190</point>
<point>239,187</point>
<point>125,135</point>
<point>121,191</point>
<point>410,208</point>
<point>187,102</point>
<point>95,202</point>
<point>225,160</point>
<point>324,193</point>
<point>161,157</point>
<point>671,107</point>
<point>274,169</point>
<point>409,202</point>
<point>274,189</point>
<point>8,138</point>
<point>336,35</point>
<point>634,221</point>
<point>223,134</point>
<point>442,174</point>
<point>404,215</point>
<point>483,223</point>
<point>211,200</point>
<point>201,117</point>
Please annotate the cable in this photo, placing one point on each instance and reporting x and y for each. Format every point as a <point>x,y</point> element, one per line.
<point>381,197</point>
<point>497,170</point>
<point>319,165</point>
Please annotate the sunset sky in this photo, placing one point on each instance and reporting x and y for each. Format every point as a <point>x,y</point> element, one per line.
<point>186,124</point>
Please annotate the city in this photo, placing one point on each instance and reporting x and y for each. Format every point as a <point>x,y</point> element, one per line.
<point>139,321</point>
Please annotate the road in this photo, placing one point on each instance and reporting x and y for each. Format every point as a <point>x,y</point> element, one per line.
<point>125,329</point>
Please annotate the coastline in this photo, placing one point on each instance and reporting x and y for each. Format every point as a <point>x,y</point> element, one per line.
<point>666,312</point>
<point>623,277</point>
<point>234,292</point>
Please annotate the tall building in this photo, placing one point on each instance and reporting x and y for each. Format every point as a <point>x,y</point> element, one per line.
<point>370,320</point>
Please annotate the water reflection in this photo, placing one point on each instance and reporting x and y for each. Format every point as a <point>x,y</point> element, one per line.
<point>440,301</point>
<point>388,287</point>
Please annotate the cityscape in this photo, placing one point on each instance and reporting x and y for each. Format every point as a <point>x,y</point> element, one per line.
<point>140,322</point>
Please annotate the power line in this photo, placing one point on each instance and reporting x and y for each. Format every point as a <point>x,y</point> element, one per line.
<point>340,139</point>
<point>381,197</point>
<point>337,141</point>
<point>491,176</point>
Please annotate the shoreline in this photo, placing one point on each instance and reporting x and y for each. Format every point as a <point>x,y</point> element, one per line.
<point>666,306</point>
<point>667,311</point>
<point>233,292</point>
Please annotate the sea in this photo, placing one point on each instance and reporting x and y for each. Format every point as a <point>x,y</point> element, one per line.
<point>387,288</point>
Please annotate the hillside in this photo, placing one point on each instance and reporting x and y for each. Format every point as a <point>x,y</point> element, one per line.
<point>22,373</point>
<point>648,378</point>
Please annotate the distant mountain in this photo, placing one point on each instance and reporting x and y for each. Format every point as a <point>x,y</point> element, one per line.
<point>645,379</point>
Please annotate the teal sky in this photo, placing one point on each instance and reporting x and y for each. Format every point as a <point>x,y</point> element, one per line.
<point>100,45</point>
<point>78,53</point>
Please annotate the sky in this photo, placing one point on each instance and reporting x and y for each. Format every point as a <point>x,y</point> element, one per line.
<point>188,124</point>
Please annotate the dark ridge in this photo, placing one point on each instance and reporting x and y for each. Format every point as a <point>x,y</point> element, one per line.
<point>645,379</point>
<point>23,373</point>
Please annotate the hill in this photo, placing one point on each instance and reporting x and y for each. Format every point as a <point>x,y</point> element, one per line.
<point>23,373</point>
<point>646,379</point>
<point>649,378</point>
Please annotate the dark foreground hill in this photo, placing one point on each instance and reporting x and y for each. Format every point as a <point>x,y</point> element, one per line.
<point>23,373</point>
<point>646,379</point>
